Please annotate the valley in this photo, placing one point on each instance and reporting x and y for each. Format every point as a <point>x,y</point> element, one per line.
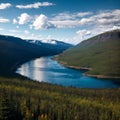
<point>60,60</point>
<point>24,98</point>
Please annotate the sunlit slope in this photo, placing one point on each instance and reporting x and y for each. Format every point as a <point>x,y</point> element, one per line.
<point>101,54</point>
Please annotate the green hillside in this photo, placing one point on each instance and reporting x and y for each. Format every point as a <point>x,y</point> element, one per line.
<point>100,54</point>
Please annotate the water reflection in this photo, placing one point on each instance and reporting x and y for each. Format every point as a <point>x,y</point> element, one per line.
<point>47,70</point>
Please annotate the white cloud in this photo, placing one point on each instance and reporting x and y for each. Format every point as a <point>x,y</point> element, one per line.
<point>83,34</point>
<point>83,14</point>
<point>14,21</point>
<point>116,27</point>
<point>110,17</point>
<point>41,22</point>
<point>4,20</point>
<point>72,23</point>
<point>5,5</point>
<point>84,21</point>
<point>24,18</point>
<point>105,18</point>
<point>88,24</point>
<point>65,23</point>
<point>71,20</point>
<point>71,16</point>
<point>35,5</point>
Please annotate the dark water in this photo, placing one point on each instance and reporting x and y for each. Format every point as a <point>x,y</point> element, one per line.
<point>47,70</point>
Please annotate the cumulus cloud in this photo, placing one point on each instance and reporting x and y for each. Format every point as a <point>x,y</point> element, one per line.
<point>4,20</point>
<point>95,23</point>
<point>5,5</point>
<point>41,22</point>
<point>23,19</point>
<point>35,5</point>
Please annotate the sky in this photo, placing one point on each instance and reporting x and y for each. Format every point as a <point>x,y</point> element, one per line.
<point>70,21</point>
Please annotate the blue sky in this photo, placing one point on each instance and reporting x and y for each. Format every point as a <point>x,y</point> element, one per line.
<point>66,20</point>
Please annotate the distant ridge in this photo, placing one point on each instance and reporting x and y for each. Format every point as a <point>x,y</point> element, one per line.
<point>15,51</point>
<point>54,46</point>
<point>100,55</point>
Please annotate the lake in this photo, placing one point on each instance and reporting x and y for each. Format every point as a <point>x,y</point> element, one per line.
<point>45,69</point>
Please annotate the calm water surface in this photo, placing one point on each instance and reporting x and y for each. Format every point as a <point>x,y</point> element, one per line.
<point>47,70</point>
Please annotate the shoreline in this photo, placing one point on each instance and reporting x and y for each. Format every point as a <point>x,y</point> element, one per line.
<point>18,64</point>
<point>103,76</point>
<point>87,69</point>
<point>11,71</point>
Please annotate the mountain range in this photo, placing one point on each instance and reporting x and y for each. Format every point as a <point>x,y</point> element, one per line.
<point>54,46</point>
<point>14,51</point>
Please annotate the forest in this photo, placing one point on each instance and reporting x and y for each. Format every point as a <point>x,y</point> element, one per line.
<point>24,99</point>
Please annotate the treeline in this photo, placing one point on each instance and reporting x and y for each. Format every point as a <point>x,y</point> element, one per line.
<point>30,100</point>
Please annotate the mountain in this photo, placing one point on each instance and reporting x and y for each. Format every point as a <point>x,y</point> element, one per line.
<point>53,45</point>
<point>14,51</point>
<point>99,55</point>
